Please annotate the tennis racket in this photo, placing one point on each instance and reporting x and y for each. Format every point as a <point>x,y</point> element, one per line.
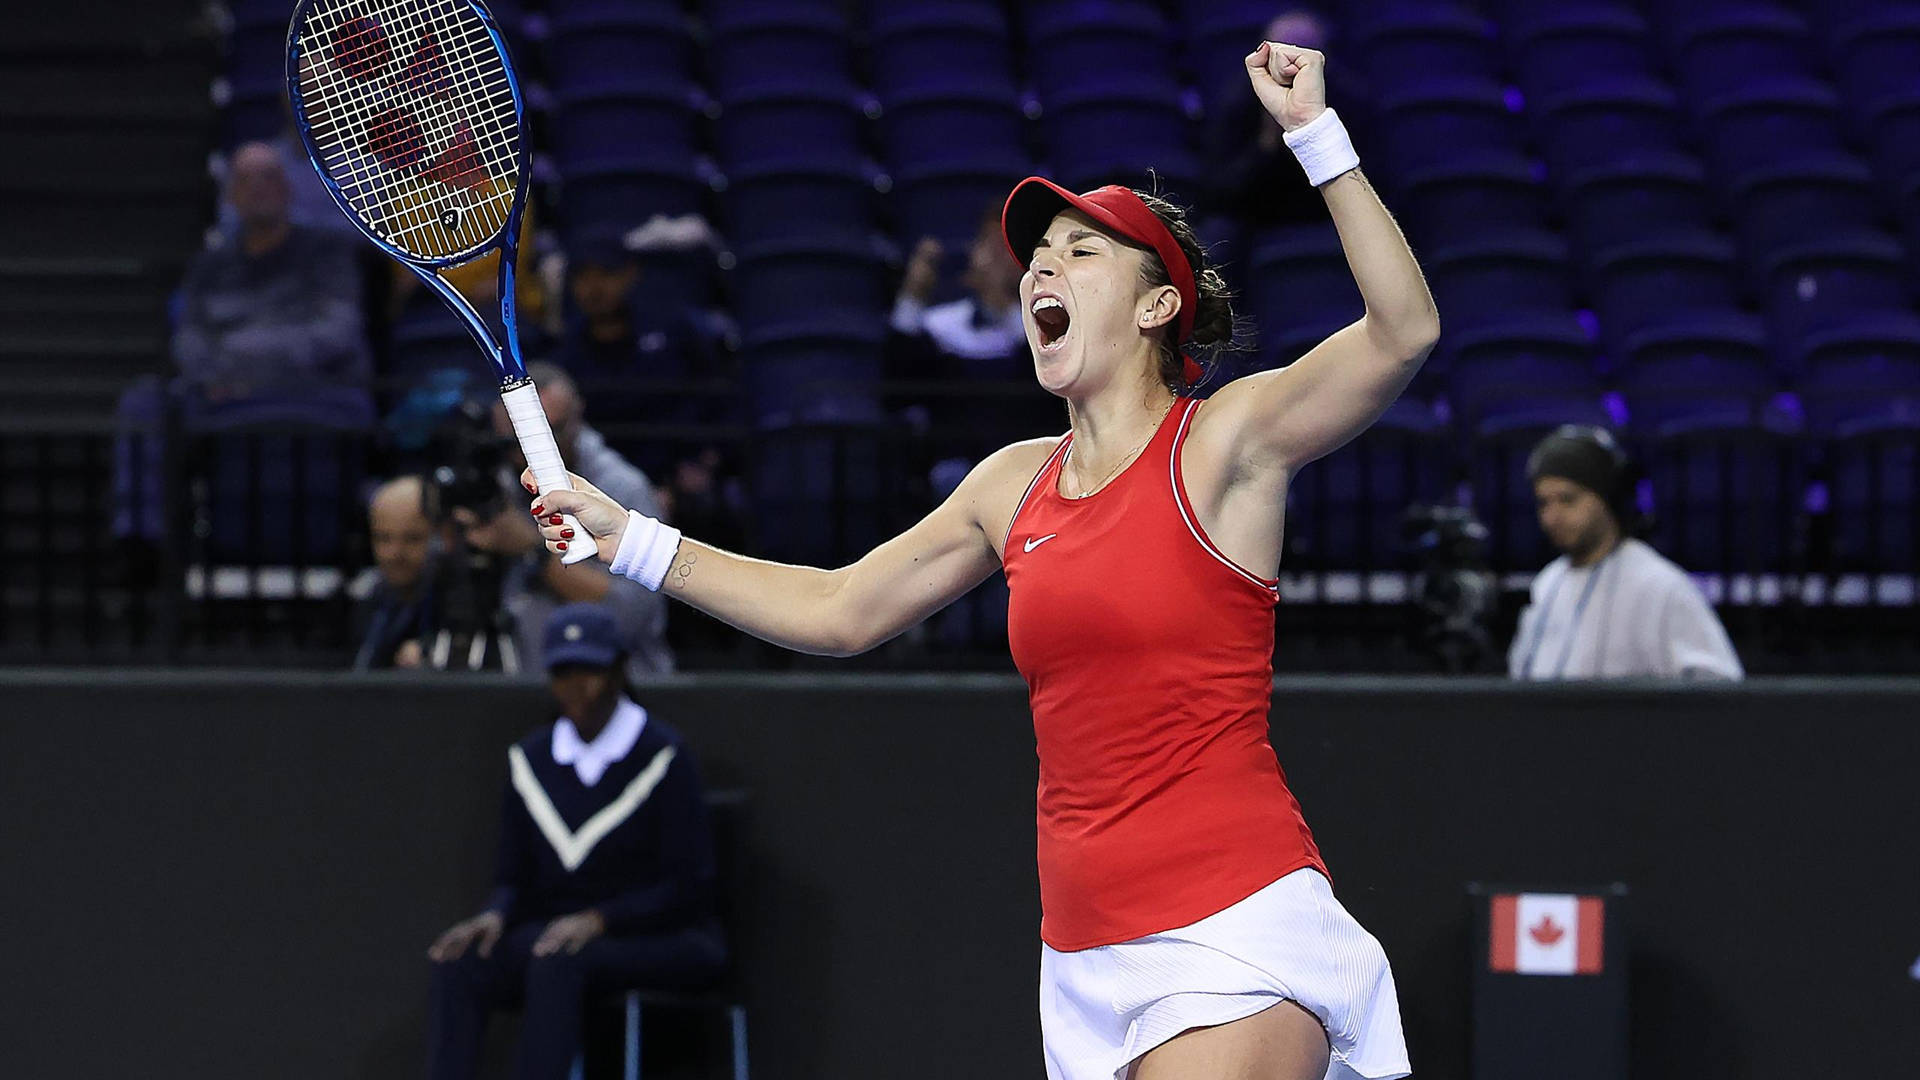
<point>411,114</point>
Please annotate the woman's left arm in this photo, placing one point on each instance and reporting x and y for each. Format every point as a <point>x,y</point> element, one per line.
<point>1285,418</point>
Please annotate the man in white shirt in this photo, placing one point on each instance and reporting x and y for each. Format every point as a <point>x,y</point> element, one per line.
<point>1610,606</point>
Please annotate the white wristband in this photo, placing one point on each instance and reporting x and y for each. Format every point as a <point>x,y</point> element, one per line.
<point>646,551</point>
<point>1323,148</point>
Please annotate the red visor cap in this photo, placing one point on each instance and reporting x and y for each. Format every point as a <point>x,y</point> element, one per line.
<point>1036,201</point>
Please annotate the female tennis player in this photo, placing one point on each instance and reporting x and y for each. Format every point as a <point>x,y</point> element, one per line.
<point>1188,925</point>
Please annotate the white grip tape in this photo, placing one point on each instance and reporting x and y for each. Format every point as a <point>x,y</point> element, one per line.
<point>1323,147</point>
<point>543,457</point>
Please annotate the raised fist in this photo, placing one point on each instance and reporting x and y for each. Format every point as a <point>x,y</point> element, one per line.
<point>1290,81</point>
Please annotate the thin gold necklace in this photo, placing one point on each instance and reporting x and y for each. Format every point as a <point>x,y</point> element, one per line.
<point>1125,459</point>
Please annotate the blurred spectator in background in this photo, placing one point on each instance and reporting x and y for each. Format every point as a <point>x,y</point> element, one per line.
<point>606,872</point>
<point>1610,606</point>
<point>979,335</point>
<point>275,310</point>
<point>535,583</point>
<point>620,326</point>
<point>269,330</point>
<point>400,614</point>
<point>1251,177</point>
<point>308,203</point>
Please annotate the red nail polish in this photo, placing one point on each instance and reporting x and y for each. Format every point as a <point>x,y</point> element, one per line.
<point>538,510</point>
<point>555,519</point>
<point>560,545</point>
<point>567,533</point>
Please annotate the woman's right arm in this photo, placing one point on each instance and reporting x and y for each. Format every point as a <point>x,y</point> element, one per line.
<point>830,612</point>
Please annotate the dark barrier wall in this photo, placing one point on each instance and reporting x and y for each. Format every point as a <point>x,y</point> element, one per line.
<point>236,876</point>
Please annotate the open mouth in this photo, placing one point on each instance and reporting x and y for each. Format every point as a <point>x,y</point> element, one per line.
<point>1051,319</point>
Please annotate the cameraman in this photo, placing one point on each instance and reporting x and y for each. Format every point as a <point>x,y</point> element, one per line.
<point>535,582</point>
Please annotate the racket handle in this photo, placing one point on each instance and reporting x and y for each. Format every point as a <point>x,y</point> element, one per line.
<point>543,457</point>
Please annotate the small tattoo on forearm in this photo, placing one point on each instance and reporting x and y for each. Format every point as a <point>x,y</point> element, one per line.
<point>685,569</point>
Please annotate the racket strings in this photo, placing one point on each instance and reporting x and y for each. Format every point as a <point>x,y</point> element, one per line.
<point>400,145</point>
<point>411,111</point>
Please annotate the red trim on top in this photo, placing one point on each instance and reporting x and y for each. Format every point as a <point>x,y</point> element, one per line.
<point>1192,518</point>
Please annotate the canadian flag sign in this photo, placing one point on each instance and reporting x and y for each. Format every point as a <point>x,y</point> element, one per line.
<point>1547,934</point>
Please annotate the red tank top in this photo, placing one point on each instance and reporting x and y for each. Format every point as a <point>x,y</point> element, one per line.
<point>1148,657</point>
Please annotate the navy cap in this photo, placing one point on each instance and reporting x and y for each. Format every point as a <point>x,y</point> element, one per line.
<point>583,634</point>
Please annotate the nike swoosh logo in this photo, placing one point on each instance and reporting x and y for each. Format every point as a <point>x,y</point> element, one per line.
<point>1034,543</point>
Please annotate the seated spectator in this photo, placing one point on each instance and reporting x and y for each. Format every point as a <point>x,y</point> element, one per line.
<point>269,330</point>
<point>606,871</point>
<point>1252,178</point>
<point>535,583</point>
<point>978,338</point>
<point>1610,606</point>
<point>400,614</point>
<point>624,328</point>
<point>979,335</point>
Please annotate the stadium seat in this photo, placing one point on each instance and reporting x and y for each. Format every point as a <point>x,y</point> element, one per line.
<point>1798,199</point>
<point>1458,200</point>
<point>1895,138</point>
<point>815,368</point>
<point>922,51</point>
<point>594,125</point>
<point>254,116</point>
<point>1590,124</point>
<point>881,16</point>
<point>718,12</point>
<point>1344,512</point>
<point>622,193</point>
<point>1657,192</point>
<point>1746,127</point>
<point>1297,277</point>
<point>1435,122</point>
<point>1484,280</point>
<point>1050,20</point>
<point>1657,274</point>
<point>788,123</point>
<point>1108,134</point>
<point>1832,280</point>
<point>1725,497</point>
<point>1704,369</point>
<point>1873,490</point>
<point>257,55</point>
<point>935,126</point>
<point>1717,50</point>
<point>1522,372</point>
<point>778,46</point>
<point>1862,375</point>
<point>1876,54</point>
<point>1556,48</point>
<point>1396,41</point>
<point>593,49</point>
<point>780,200</point>
<point>1070,43</point>
<point>788,281</point>
<point>1217,37</point>
<point>946,201</point>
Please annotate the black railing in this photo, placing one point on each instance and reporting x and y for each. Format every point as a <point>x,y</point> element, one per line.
<point>1807,545</point>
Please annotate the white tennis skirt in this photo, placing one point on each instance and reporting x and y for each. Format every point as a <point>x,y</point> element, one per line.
<point>1103,1008</point>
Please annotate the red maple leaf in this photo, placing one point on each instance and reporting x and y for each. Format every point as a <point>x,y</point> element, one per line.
<point>1547,932</point>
